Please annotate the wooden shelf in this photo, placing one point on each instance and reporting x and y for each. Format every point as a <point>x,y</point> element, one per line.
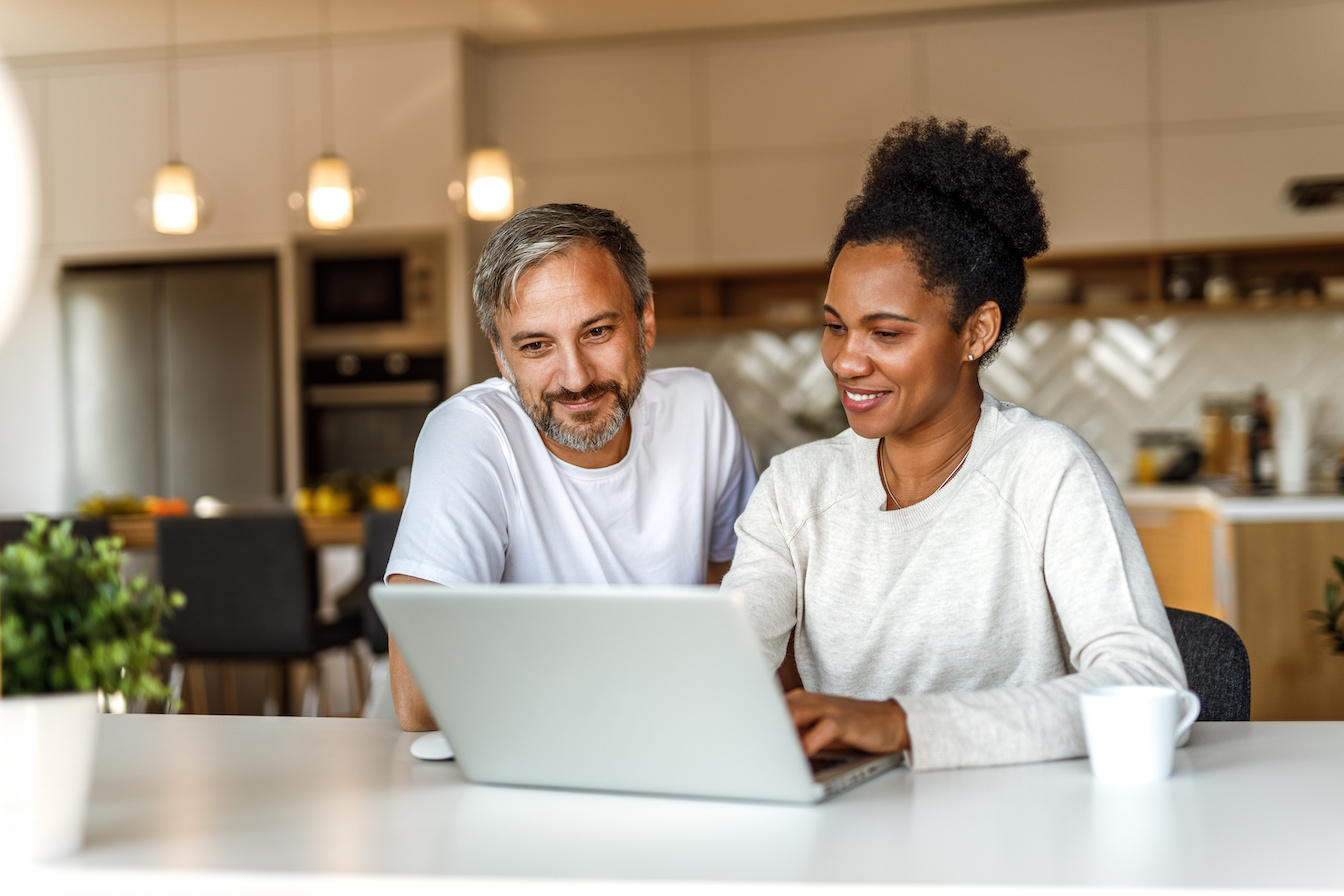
<point>788,299</point>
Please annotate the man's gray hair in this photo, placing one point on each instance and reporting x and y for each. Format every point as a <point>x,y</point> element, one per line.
<point>536,234</point>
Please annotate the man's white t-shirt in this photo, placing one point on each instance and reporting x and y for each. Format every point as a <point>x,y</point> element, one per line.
<point>489,503</point>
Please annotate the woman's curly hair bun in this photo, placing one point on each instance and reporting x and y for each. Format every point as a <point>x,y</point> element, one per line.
<point>963,202</point>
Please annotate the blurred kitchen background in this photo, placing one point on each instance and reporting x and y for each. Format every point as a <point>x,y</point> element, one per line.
<point>729,134</point>
<point>1191,155</point>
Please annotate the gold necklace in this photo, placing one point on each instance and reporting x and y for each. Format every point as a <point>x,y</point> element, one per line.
<point>882,467</point>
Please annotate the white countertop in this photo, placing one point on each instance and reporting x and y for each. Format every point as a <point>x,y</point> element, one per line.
<point>1270,508</point>
<point>210,803</point>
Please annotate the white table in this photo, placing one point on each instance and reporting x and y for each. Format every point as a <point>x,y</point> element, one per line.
<point>186,801</point>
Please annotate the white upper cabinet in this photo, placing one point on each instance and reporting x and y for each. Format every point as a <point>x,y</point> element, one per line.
<point>1069,70</point>
<point>820,89</point>
<point>232,122</point>
<point>657,197</point>
<point>779,210</point>
<point>593,103</point>
<point>1236,60</point>
<point>396,122</point>
<point>1231,185</point>
<point>1097,193</point>
<point>108,137</point>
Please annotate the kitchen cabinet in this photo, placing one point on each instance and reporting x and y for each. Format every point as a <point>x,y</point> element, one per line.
<point>1121,284</point>
<point>1281,570</point>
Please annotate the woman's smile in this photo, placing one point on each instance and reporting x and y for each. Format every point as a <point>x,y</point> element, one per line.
<point>859,401</point>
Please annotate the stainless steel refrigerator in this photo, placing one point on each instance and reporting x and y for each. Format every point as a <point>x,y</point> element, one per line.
<point>171,380</point>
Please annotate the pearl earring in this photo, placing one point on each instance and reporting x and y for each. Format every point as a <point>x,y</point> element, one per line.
<point>970,357</point>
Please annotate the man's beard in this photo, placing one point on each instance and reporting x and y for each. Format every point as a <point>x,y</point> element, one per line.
<point>587,431</point>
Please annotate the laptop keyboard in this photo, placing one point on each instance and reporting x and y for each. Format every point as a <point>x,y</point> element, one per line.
<point>822,763</point>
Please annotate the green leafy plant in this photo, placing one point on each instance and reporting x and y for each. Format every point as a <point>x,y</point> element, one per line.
<point>1331,619</point>
<point>69,622</point>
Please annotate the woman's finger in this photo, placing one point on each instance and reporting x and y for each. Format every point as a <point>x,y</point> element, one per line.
<point>820,736</point>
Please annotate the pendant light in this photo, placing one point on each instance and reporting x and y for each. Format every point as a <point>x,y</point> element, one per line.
<point>331,201</point>
<point>177,206</point>
<point>489,184</point>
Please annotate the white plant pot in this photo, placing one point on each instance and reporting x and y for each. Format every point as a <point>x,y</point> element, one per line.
<point>46,764</point>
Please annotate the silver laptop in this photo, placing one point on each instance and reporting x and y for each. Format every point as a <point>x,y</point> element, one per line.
<point>640,689</point>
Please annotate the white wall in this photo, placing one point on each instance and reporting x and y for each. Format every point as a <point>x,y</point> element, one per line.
<point>1158,123</point>
<point>249,127</point>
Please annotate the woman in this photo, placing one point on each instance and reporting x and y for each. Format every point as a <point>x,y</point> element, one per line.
<point>953,571</point>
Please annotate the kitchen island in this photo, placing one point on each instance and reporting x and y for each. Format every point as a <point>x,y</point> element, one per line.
<point>1261,563</point>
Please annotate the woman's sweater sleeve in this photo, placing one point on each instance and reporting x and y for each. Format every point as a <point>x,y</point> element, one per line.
<point>1110,616</point>
<point>763,570</point>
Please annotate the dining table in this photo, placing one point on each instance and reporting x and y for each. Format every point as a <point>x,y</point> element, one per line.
<point>224,804</point>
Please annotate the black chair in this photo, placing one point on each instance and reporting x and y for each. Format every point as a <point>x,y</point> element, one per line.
<point>251,595</point>
<point>14,528</point>
<point>1216,665</point>
<point>380,531</point>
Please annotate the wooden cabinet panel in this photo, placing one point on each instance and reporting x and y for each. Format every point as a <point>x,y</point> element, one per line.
<point>1281,573</point>
<point>1180,549</point>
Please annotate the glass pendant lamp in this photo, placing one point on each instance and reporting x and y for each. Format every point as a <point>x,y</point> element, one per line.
<point>331,199</point>
<point>176,203</point>
<point>489,184</point>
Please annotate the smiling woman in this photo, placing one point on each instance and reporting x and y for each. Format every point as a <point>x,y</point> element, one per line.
<point>952,571</point>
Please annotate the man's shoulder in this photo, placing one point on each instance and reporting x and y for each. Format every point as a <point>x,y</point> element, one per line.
<point>684,396</point>
<point>683,383</point>
<point>486,411</point>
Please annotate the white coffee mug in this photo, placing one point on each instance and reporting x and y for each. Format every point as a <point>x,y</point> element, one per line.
<point>1132,731</point>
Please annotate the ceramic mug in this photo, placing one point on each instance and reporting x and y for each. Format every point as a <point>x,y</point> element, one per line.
<point>1132,731</point>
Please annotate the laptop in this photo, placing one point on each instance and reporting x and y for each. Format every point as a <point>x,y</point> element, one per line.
<point>635,689</point>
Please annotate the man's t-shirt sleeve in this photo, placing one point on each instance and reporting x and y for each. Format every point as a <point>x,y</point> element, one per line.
<point>454,527</point>
<point>737,480</point>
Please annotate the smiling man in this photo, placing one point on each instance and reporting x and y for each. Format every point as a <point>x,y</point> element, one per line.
<point>579,465</point>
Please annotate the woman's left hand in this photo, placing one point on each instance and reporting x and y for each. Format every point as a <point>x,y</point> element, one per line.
<point>830,722</point>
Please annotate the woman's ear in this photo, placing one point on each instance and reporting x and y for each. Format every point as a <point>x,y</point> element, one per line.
<point>982,330</point>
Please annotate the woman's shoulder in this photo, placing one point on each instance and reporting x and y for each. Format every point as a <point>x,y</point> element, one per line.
<point>1021,434</point>
<point>1033,460</point>
<point>820,471</point>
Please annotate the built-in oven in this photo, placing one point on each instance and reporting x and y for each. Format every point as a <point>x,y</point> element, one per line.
<point>363,411</point>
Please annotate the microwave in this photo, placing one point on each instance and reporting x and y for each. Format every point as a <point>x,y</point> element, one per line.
<point>372,294</point>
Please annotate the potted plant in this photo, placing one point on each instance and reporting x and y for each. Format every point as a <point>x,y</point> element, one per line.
<point>1331,619</point>
<point>72,633</point>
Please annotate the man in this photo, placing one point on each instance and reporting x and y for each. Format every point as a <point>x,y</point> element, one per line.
<point>579,465</point>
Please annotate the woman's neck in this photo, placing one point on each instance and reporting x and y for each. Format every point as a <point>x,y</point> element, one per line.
<point>918,462</point>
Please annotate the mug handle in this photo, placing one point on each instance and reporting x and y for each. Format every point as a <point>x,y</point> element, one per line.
<point>1190,714</point>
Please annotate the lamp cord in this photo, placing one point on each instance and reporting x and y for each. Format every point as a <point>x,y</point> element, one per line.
<point>174,140</point>
<point>324,63</point>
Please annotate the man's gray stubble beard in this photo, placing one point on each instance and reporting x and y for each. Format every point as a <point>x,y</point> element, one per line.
<point>543,415</point>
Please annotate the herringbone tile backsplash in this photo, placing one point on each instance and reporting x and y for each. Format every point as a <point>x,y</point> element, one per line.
<point>1107,379</point>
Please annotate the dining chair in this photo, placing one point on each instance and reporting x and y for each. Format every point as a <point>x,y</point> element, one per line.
<point>251,593</point>
<point>380,531</point>
<point>1216,665</point>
